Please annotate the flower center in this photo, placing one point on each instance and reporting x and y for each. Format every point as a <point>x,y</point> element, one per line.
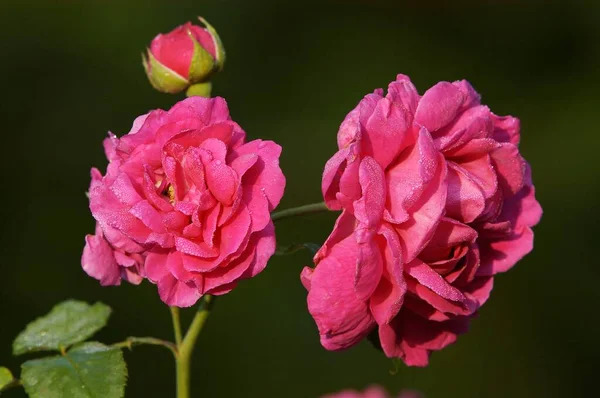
<point>170,194</point>
<point>166,190</point>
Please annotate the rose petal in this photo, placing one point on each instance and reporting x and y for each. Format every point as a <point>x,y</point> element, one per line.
<point>215,147</point>
<point>350,189</point>
<point>449,234</point>
<point>466,200</point>
<point>243,163</point>
<point>265,248</point>
<point>388,297</point>
<point>98,260</point>
<point>156,266</point>
<point>473,124</point>
<point>386,132</point>
<point>177,294</point>
<point>522,209</point>
<point>412,338</point>
<point>409,176</point>
<point>439,106</point>
<point>330,185</point>
<point>147,214</point>
<point>434,281</point>
<point>174,49</point>
<point>199,249</point>
<point>306,277</point>
<point>480,289</point>
<point>344,227</point>
<point>500,255</point>
<point>369,264</point>
<point>224,275</point>
<point>343,320</point>
<point>369,208</point>
<point>266,174</point>
<point>210,225</point>
<point>402,91</point>
<point>510,166</point>
<point>506,129</point>
<point>222,181</point>
<point>427,212</point>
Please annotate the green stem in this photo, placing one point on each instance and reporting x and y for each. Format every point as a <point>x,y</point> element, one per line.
<point>185,349</point>
<point>299,211</point>
<point>13,384</point>
<point>129,342</point>
<point>200,90</point>
<point>176,324</point>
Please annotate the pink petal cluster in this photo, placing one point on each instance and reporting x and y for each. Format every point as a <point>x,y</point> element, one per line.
<point>435,201</point>
<point>185,203</point>
<point>372,392</point>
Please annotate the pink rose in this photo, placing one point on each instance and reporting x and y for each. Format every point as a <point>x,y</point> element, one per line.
<point>186,55</point>
<point>372,392</point>
<point>185,203</point>
<point>436,200</point>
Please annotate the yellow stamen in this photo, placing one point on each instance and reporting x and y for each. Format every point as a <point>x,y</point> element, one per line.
<point>171,194</point>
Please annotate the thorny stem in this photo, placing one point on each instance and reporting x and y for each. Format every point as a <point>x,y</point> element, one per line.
<point>129,342</point>
<point>299,211</point>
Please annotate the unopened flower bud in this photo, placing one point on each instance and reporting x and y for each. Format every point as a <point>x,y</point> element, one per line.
<point>187,55</point>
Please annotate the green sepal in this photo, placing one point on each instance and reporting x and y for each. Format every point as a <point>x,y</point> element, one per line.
<point>161,77</point>
<point>396,365</point>
<point>6,377</point>
<point>88,370</point>
<point>68,323</point>
<point>202,64</point>
<point>220,49</point>
<point>200,90</point>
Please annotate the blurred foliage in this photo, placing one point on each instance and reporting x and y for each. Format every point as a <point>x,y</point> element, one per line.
<point>71,70</point>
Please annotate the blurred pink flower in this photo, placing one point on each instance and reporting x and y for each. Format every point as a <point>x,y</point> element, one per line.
<point>185,203</point>
<point>436,200</point>
<point>372,392</point>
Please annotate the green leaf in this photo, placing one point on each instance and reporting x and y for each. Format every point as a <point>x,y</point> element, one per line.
<point>5,377</point>
<point>294,247</point>
<point>68,323</point>
<point>89,370</point>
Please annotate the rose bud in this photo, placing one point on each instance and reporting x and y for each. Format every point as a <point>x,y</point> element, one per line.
<point>187,55</point>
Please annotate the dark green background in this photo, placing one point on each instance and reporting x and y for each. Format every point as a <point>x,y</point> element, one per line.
<point>70,71</point>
